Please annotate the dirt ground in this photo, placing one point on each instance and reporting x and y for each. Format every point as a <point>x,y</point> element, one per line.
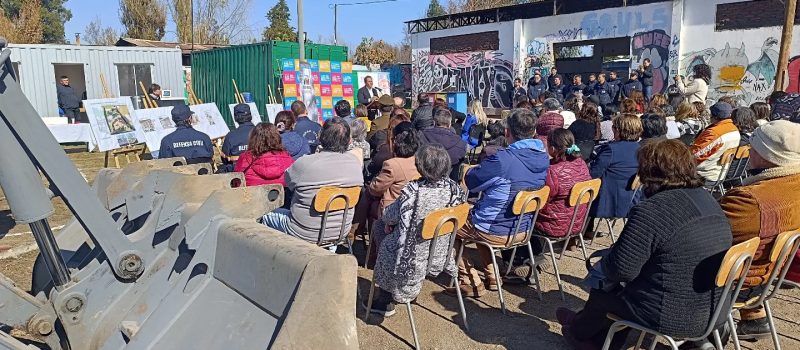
<point>529,324</point>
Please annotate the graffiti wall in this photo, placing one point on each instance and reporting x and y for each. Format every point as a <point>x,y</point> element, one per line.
<point>647,25</point>
<point>743,62</point>
<point>487,76</point>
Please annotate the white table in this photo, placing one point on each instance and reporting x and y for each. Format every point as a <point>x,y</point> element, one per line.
<point>73,133</point>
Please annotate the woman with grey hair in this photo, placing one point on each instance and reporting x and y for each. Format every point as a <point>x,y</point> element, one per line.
<point>358,132</point>
<point>403,255</point>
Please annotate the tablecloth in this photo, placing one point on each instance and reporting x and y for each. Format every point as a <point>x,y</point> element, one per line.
<point>72,133</point>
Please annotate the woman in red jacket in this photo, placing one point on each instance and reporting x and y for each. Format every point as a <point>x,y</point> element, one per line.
<point>266,160</point>
<point>566,169</point>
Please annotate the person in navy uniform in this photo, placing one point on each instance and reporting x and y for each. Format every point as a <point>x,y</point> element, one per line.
<point>186,142</point>
<point>237,139</point>
<point>558,89</point>
<point>304,126</point>
<point>536,87</point>
<point>616,86</point>
<point>603,90</point>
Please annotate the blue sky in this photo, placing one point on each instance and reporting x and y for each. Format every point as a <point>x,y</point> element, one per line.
<point>379,20</point>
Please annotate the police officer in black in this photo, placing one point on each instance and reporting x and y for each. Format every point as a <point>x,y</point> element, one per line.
<point>186,142</point>
<point>236,141</point>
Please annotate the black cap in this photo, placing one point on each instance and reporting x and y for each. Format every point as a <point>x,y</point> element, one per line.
<point>241,109</point>
<point>181,112</point>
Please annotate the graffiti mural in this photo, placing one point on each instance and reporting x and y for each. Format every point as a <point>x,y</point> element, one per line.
<point>733,74</point>
<point>794,75</point>
<point>538,57</point>
<point>485,75</point>
<point>655,46</point>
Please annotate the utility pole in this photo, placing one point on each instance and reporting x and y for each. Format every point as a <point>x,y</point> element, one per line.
<point>786,43</point>
<point>300,37</point>
<point>335,22</point>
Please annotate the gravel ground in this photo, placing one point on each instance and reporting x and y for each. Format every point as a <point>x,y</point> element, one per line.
<point>529,323</point>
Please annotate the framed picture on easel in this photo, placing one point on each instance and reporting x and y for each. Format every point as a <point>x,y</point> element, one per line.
<point>112,123</point>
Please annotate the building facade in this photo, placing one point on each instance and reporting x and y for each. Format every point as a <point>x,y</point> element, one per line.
<point>483,51</point>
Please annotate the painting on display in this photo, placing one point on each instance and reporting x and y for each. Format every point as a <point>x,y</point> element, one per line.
<point>155,123</point>
<point>272,111</point>
<point>253,111</point>
<point>319,84</point>
<point>380,80</point>
<point>112,123</point>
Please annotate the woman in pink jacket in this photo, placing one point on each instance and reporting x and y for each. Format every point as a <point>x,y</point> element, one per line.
<point>566,169</point>
<point>265,160</point>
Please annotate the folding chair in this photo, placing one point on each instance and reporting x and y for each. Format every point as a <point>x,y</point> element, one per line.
<point>635,186</point>
<point>725,162</point>
<point>332,198</point>
<point>733,269</point>
<point>438,224</point>
<point>584,192</point>
<point>526,202</point>
<point>780,260</point>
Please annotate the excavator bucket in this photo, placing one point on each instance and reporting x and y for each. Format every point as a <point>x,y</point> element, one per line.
<point>160,255</point>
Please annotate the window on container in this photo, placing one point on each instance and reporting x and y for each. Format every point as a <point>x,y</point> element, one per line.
<point>130,75</point>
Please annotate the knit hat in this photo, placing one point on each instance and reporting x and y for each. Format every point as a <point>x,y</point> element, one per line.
<point>778,142</point>
<point>721,110</point>
<point>180,113</point>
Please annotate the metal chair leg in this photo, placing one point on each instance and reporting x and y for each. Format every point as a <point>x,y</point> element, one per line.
<point>535,271</point>
<point>555,267</point>
<point>772,328</point>
<point>718,340</point>
<point>511,261</point>
<point>583,247</point>
<point>459,256</point>
<point>610,335</point>
<point>369,301</point>
<point>671,342</point>
<point>611,230</point>
<point>640,340</point>
<point>413,325</point>
<point>369,250</point>
<point>461,302</point>
<point>734,336</point>
<point>499,280</point>
<point>654,343</point>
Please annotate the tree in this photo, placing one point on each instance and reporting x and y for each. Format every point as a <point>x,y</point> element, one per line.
<point>52,16</point>
<point>403,51</point>
<point>95,34</point>
<point>215,21</point>
<point>435,9</point>
<point>143,19</point>
<point>279,28</point>
<point>26,26</point>
<point>374,52</point>
<point>456,6</point>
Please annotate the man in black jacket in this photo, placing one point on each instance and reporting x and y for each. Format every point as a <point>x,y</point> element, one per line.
<point>646,73</point>
<point>558,89</point>
<point>422,117</point>
<point>577,85</point>
<point>518,90</point>
<point>616,85</point>
<point>68,100</point>
<point>442,133</point>
<point>633,84</point>
<point>536,86</point>
<point>551,79</point>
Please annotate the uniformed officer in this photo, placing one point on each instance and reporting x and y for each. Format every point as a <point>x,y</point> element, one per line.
<point>186,142</point>
<point>236,141</point>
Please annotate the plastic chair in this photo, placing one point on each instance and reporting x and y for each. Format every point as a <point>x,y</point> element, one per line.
<point>780,260</point>
<point>584,192</point>
<point>525,202</point>
<point>332,198</point>
<point>725,162</point>
<point>733,269</point>
<point>437,224</point>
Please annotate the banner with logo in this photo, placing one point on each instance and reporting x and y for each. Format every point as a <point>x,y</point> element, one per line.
<point>330,82</point>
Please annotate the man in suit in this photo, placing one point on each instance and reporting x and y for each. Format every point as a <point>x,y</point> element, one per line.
<point>367,94</point>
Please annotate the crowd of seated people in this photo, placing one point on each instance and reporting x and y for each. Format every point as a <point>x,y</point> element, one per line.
<point>660,272</point>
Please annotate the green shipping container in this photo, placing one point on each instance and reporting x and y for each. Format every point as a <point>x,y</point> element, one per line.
<point>254,67</point>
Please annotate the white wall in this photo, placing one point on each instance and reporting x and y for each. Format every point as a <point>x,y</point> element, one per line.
<point>537,35</point>
<point>487,75</point>
<point>742,61</point>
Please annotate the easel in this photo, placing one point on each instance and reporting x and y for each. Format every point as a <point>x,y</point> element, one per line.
<point>271,97</point>
<point>128,150</point>
<point>193,100</point>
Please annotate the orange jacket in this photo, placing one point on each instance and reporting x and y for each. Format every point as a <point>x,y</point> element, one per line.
<point>709,146</point>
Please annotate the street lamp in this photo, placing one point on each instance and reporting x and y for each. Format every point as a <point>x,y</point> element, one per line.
<point>335,7</point>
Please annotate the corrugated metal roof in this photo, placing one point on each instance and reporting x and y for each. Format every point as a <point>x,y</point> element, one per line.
<point>185,47</point>
<point>38,79</point>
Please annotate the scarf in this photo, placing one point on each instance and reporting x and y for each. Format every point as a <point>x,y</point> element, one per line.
<point>772,173</point>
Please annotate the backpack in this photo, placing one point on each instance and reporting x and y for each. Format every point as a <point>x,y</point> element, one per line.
<point>477,132</point>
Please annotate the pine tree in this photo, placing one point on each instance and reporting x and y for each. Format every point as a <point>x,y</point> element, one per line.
<point>435,9</point>
<point>279,28</point>
<point>143,19</point>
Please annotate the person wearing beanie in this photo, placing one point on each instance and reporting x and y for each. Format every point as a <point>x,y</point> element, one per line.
<point>185,141</point>
<point>237,139</point>
<point>765,206</point>
<point>710,144</point>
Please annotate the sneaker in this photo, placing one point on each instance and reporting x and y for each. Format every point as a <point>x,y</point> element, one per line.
<point>384,307</point>
<point>753,329</point>
<point>467,290</point>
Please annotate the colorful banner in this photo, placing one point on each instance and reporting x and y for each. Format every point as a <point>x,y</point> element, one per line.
<point>330,82</point>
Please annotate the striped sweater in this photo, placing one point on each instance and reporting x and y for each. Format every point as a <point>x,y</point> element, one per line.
<point>709,146</point>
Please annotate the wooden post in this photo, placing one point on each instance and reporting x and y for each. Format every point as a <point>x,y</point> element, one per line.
<point>786,43</point>
<point>237,95</point>
<point>106,90</point>
<point>147,102</point>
